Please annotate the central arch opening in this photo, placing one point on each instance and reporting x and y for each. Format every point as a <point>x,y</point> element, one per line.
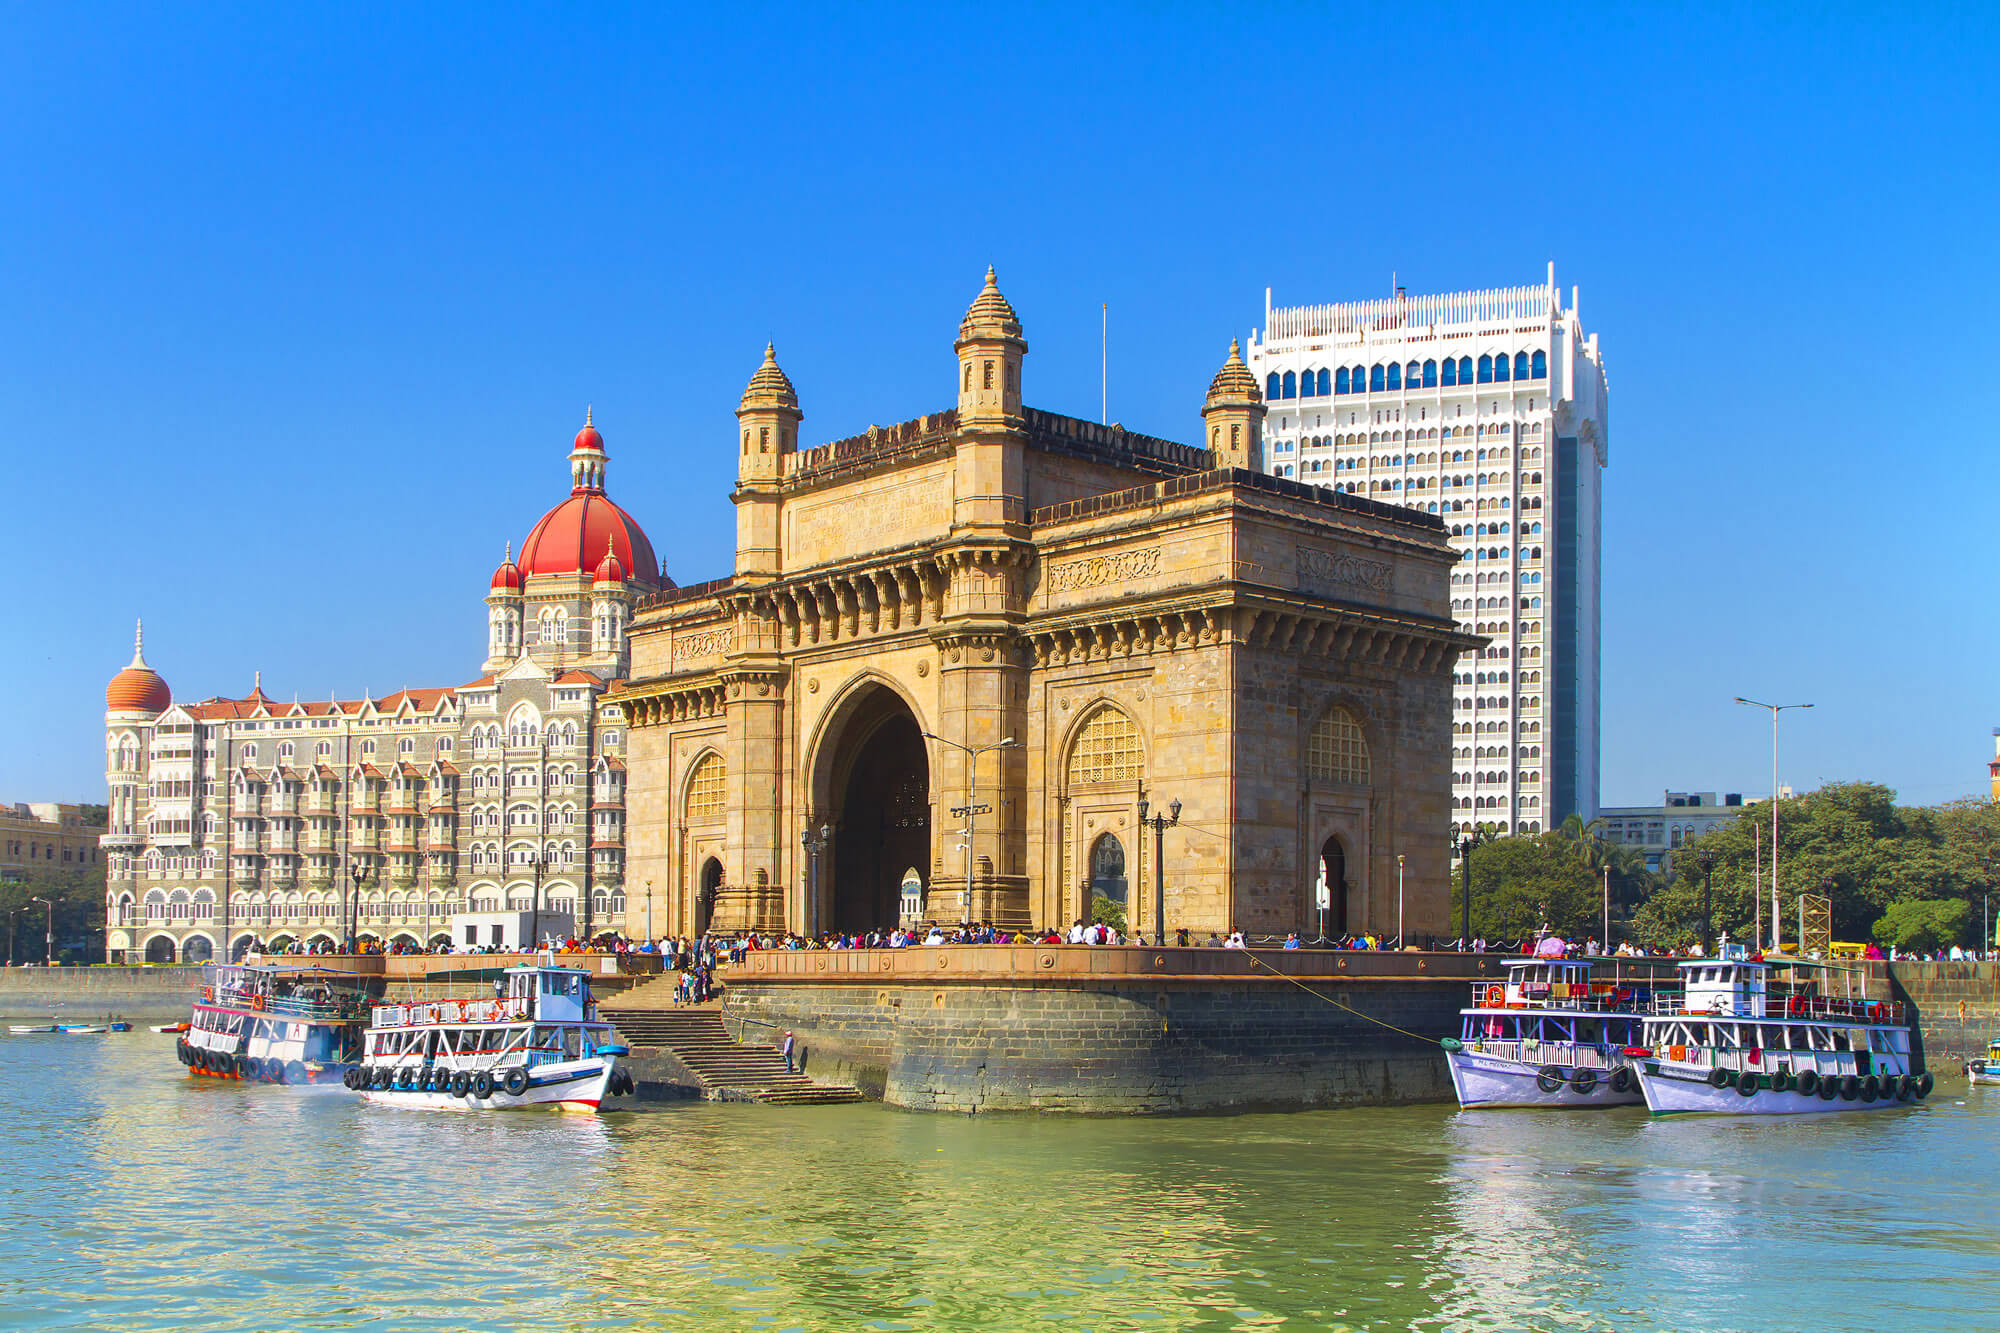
<point>882,813</point>
<point>1333,887</point>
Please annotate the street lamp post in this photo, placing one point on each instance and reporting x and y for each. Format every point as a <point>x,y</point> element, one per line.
<point>1465,846</point>
<point>537,864</point>
<point>1160,825</point>
<point>1774,710</point>
<point>1705,858</point>
<point>649,911</point>
<point>49,958</point>
<point>971,809</point>
<point>358,870</point>
<point>12,912</point>
<point>1399,900</point>
<point>814,840</point>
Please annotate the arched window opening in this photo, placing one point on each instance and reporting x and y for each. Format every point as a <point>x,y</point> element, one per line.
<point>1291,386</point>
<point>1106,750</point>
<point>1541,366</point>
<point>1325,383</point>
<point>1431,374</point>
<point>1485,370</point>
<point>1375,378</point>
<point>1270,386</point>
<point>1107,870</point>
<point>707,789</point>
<point>1340,380</point>
<point>1395,373</point>
<point>1337,751</point>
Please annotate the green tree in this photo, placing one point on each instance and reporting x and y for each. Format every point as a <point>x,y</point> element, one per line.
<point>1924,924</point>
<point>78,895</point>
<point>1522,883</point>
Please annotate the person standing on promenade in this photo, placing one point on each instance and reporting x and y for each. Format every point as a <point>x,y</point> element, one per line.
<point>788,1054</point>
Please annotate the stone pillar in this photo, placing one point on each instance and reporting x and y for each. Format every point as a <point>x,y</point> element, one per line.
<point>982,701</point>
<point>756,855</point>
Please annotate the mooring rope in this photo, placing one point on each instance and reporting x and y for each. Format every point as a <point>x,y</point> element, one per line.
<point>1337,1004</point>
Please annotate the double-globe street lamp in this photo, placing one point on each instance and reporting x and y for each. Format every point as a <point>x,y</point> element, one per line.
<point>1160,824</point>
<point>815,841</point>
<point>972,809</point>
<point>358,871</point>
<point>1466,845</point>
<point>1774,710</point>
<point>1705,858</point>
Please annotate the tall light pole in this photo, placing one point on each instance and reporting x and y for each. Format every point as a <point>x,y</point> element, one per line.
<point>814,840</point>
<point>1399,900</point>
<point>537,864</point>
<point>1774,710</point>
<point>12,912</point>
<point>359,871</point>
<point>972,809</point>
<point>1705,858</point>
<point>1160,824</point>
<point>649,911</point>
<point>49,958</point>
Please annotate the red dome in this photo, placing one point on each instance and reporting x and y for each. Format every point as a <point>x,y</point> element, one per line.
<point>571,539</point>
<point>609,570</point>
<point>138,688</point>
<point>588,438</point>
<point>507,578</point>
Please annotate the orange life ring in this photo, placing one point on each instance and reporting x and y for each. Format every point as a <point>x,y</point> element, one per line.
<point>1678,1052</point>
<point>1495,997</point>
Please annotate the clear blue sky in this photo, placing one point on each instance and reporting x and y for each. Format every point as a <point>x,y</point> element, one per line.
<point>301,308</point>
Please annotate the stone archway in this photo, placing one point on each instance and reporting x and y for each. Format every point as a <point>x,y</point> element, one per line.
<point>160,949</point>
<point>875,778</point>
<point>1333,874</point>
<point>705,895</point>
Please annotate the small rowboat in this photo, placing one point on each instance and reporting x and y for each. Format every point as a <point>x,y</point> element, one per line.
<point>170,1027</point>
<point>28,1029</point>
<point>82,1028</point>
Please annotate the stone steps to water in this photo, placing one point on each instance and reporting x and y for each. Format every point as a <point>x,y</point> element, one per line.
<point>725,1067</point>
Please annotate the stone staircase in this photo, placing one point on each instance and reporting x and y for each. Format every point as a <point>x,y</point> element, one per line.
<point>728,1070</point>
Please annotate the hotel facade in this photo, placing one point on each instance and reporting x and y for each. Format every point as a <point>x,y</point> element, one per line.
<point>237,823</point>
<point>1489,409</point>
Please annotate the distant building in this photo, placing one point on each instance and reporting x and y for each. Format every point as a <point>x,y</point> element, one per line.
<point>239,822</point>
<point>44,835</point>
<point>1491,410</point>
<point>1660,830</point>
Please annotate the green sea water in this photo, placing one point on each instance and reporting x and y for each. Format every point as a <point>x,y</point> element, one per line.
<point>138,1198</point>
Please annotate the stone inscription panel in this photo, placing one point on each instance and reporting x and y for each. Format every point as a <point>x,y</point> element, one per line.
<point>1334,571</point>
<point>1099,571</point>
<point>703,643</point>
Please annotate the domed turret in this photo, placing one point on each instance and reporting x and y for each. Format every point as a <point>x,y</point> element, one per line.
<point>575,531</point>
<point>1233,415</point>
<point>138,688</point>
<point>769,387</point>
<point>608,569</point>
<point>507,578</point>
<point>990,348</point>
<point>768,422</point>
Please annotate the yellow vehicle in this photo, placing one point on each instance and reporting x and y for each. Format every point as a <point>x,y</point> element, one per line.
<point>1848,952</point>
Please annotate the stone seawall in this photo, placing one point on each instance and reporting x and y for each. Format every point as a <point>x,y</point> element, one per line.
<point>1958,1006</point>
<point>1113,1031</point>
<point>136,993</point>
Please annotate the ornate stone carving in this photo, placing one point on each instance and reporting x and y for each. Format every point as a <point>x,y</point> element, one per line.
<point>1098,570</point>
<point>1320,569</point>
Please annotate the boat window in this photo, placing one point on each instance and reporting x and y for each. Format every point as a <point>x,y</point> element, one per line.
<point>572,1043</point>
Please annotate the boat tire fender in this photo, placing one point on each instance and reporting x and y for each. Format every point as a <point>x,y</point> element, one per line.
<point>516,1082</point>
<point>1871,1088</point>
<point>1850,1088</point>
<point>1829,1088</point>
<point>1906,1088</point>
<point>1781,1081</point>
<point>1925,1083</point>
<point>482,1085</point>
<point>1720,1078</point>
<point>1549,1079</point>
<point>1621,1079</point>
<point>1808,1082</point>
<point>1746,1084</point>
<point>1583,1082</point>
<point>460,1082</point>
<point>295,1072</point>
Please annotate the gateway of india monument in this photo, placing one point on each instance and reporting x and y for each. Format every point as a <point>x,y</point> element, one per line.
<point>961,660</point>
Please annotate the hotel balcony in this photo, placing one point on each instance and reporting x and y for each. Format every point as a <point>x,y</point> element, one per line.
<point>363,839</point>
<point>323,804</point>
<point>403,803</point>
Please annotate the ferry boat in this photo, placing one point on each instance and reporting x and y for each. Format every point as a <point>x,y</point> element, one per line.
<point>1987,1070</point>
<point>538,1044</point>
<point>1549,1036</point>
<point>271,1024</point>
<point>1755,1037</point>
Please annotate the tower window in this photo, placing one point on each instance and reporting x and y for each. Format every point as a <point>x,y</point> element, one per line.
<point>987,375</point>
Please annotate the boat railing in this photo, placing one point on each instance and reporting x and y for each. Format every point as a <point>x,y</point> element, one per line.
<point>1574,1055</point>
<point>422,1013</point>
<point>1595,996</point>
<point>1768,1008</point>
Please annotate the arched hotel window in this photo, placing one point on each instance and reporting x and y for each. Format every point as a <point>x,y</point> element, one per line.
<point>1271,386</point>
<point>1465,370</point>
<point>1500,368</point>
<point>1541,365</point>
<point>1395,376</point>
<point>1450,372</point>
<point>1431,374</point>
<point>1355,379</point>
<point>1375,378</point>
<point>1413,374</point>
<point>706,790</point>
<point>1325,383</point>
<point>1340,380</point>
<point>1106,750</point>
<point>1337,751</point>
<point>1291,386</point>
<point>1485,370</point>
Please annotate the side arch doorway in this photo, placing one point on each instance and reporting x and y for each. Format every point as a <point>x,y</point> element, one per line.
<point>1332,889</point>
<point>873,779</point>
<point>706,892</point>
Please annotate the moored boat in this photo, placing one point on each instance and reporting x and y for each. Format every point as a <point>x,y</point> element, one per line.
<point>539,1044</point>
<point>1987,1070</point>
<point>270,1024</point>
<point>1549,1036</point>
<point>1777,1037</point>
<point>30,1029</point>
<point>170,1027</point>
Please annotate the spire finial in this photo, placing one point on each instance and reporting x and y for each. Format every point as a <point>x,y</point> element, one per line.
<point>1235,350</point>
<point>991,281</point>
<point>510,552</point>
<point>587,408</point>
<point>257,681</point>
<point>139,642</point>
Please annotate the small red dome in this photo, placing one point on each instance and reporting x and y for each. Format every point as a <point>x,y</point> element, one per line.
<point>138,688</point>
<point>588,438</point>
<point>581,527</point>
<point>507,578</point>
<point>609,570</point>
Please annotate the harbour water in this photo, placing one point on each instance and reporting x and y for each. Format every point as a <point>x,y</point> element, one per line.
<point>142,1199</point>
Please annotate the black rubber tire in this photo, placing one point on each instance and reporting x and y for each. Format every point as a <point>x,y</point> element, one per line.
<point>516,1082</point>
<point>1549,1079</point>
<point>347,1078</point>
<point>1621,1079</point>
<point>1829,1088</point>
<point>1721,1078</point>
<point>1583,1082</point>
<point>181,1050</point>
<point>295,1074</point>
<point>1871,1088</point>
<point>1924,1084</point>
<point>1808,1083</point>
<point>1850,1088</point>
<point>482,1085</point>
<point>1746,1084</point>
<point>1906,1088</point>
<point>461,1083</point>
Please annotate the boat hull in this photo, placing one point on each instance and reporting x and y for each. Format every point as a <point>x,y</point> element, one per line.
<point>1688,1092</point>
<point>1983,1071</point>
<point>578,1086</point>
<point>1490,1081</point>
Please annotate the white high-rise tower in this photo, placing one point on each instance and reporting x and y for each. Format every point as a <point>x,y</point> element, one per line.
<point>1489,409</point>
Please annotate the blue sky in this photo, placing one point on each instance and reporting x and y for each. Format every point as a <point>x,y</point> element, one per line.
<point>302,308</point>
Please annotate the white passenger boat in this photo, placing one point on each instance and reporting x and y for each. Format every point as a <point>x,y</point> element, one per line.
<point>269,1024</point>
<point>1549,1036</point>
<point>1987,1070</point>
<point>538,1045</point>
<point>1777,1037</point>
